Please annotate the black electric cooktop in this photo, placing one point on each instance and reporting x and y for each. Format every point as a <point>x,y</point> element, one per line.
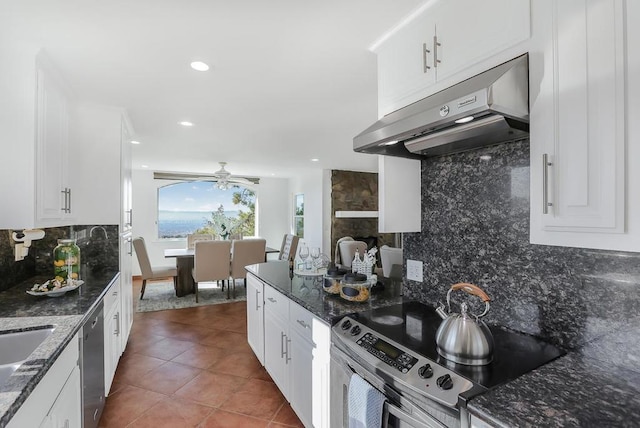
<point>414,325</point>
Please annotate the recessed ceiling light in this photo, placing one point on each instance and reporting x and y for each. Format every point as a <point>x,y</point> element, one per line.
<point>465,119</point>
<point>199,66</point>
<point>315,160</point>
<point>186,123</point>
<point>135,142</point>
<point>144,166</point>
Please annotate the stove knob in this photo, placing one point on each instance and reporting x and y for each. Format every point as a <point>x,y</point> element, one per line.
<point>345,325</point>
<point>445,382</point>
<point>355,330</point>
<point>425,372</point>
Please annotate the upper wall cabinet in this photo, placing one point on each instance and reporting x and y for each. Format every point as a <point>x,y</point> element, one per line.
<point>446,43</point>
<point>579,132</point>
<point>97,139</point>
<point>54,193</point>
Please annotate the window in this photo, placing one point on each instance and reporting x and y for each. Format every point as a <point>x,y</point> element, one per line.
<point>199,207</point>
<point>298,216</point>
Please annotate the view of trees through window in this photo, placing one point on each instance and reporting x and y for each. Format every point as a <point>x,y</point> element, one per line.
<point>200,207</point>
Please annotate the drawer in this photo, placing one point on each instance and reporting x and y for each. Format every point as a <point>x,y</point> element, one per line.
<point>302,321</point>
<point>276,302</point>
<point>112,296</point>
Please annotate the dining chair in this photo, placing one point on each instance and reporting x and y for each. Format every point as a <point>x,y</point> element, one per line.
<point>148,272</point>
<point>348,251</point>
<point>243,253</point>
<point>192,238</point>
<point>390,256</point>
<point>289,247</point>
<point>211,262</point>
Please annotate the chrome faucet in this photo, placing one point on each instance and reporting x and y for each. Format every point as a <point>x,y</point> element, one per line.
<point>106,236</point>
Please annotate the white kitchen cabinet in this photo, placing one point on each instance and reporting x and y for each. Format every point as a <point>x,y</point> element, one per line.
<point>309,348</point>
<point>126,288</point>
<point>67,406</point>
<point>55,401</point>
<point>126,187</point>
<point>277,353</point>
<point>399,195</point>
<point>582,193</point>
<point>255,316</point>
<point>296,355</point>
<point>447,42</point>
<point>54,194</point>
<point>112,333</point>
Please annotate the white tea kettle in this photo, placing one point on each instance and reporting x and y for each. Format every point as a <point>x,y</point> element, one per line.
<point>463,338</point>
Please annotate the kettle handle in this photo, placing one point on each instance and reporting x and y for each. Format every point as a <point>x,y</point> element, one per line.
<point>471,289</point>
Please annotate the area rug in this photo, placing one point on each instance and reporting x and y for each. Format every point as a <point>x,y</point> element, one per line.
<point>159,296</point>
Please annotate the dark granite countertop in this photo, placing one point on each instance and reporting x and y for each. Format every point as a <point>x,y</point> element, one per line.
<point>307,291</point>
<point>21,311</point>
<point>597,385</point>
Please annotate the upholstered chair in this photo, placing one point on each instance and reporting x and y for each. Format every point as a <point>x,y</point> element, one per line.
<point>211,262</point>
<point>151,273</point>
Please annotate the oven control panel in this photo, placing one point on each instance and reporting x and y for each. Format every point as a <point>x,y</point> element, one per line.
<point>388,353</point>
<point>373,352</point>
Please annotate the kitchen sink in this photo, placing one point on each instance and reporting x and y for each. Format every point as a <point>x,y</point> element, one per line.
<point>15,347</point>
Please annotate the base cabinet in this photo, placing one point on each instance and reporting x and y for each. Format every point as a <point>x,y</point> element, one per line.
<point>296,350</point>
<point>112,332</point>
<point>56,400</point>
<point>255,316</point>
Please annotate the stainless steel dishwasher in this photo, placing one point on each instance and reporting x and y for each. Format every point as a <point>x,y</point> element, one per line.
<point>93,367</point>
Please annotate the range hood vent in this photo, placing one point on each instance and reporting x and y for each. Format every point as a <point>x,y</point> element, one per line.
<point>490,108</point>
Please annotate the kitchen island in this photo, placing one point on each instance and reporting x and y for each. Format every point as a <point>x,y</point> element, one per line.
<point>306,290</point>
<point>21,311</point>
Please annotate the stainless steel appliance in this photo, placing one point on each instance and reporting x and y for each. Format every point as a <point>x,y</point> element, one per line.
<point>394,349</point>
<point>93,367</point>
<point>490,108</point>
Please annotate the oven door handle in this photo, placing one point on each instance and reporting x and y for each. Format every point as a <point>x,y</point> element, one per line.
<point>390,409</point>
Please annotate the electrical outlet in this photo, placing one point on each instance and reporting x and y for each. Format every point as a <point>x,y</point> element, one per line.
<point>414,270</point>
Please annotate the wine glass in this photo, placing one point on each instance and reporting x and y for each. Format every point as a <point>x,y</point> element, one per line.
<point>304,255</point>
<point>315,253</point>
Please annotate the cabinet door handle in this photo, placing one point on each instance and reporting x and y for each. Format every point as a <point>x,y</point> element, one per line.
<point>67,200</point>
<point>283,352</point>
<point>436,44</point>
<point>425,51</point>
<point>272,300</point>
<point>288,357</point>
<point>117,318</point>
<point>257,299</point>
<point>303,324</point>
<point>545,184</point>
<point>130,242</point>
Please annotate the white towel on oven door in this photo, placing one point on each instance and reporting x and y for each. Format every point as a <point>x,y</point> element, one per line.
<point>365,404</point>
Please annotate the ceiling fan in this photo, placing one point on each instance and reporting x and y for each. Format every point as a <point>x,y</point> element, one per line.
<point>224,178</point>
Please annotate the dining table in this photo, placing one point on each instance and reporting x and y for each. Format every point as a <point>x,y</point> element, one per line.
<point>184,263</point>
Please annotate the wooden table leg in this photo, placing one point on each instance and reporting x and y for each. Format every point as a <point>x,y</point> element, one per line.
<point>185,284</point>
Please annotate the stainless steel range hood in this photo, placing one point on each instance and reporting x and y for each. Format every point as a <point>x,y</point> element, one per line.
<point>490,108</point>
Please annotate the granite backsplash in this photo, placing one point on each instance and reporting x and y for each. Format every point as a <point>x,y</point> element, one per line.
<point>98,245</point>
<point>475,228</point>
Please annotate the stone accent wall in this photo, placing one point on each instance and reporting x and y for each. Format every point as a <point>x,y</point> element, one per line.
<point>355,191</point>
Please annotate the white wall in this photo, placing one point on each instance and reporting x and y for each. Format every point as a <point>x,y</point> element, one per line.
<point>272,215</point>
<point>311,186</point>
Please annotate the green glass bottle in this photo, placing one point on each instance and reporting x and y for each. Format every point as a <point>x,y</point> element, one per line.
<point>66,260</point>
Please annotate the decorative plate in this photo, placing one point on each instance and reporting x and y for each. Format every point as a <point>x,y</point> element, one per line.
<point>57,292</point>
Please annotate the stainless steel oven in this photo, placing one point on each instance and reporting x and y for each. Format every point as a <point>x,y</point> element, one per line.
<point>394,350</point>
<point>398,411</point>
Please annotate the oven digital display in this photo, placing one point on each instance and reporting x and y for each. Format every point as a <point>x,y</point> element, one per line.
<point>388,349</point>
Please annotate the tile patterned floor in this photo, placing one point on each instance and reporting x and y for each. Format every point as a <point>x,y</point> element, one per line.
<point>193,368</point>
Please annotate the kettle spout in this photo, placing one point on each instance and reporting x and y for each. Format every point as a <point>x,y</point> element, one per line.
<point>441,311</point>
